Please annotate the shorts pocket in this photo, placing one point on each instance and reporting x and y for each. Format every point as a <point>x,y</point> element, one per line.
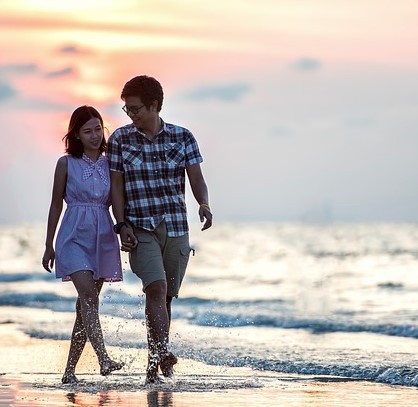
<point>184,257</point>
<point>144,238</point>
<point>185,251</point>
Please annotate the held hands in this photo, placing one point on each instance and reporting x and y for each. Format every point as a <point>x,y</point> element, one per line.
<point>48,259</point>
<point>128,239</point>
<point>205,213</point>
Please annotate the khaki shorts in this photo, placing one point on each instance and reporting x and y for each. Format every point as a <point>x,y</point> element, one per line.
<point>159,257</point>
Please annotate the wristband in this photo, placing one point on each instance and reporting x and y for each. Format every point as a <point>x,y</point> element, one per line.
<point>205,206</point>
<point>118,227</point>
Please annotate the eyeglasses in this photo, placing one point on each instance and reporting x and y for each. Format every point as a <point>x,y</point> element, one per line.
<point>132,110</point>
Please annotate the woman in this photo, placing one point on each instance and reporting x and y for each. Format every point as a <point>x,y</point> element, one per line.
<point>87,250</point>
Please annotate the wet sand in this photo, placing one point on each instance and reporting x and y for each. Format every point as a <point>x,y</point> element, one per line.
<point>31,370</point>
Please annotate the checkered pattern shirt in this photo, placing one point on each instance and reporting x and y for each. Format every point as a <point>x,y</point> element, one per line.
<point>154,174</point>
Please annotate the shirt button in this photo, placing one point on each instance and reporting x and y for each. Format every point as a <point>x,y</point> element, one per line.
<point>156,171</point>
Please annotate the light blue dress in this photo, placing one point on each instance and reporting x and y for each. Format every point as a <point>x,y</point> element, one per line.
<point>86,240</point>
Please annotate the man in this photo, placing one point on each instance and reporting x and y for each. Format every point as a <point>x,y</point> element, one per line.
<point>148,160</point>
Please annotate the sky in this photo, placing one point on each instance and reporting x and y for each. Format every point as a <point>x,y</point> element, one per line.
<point>304,110</point>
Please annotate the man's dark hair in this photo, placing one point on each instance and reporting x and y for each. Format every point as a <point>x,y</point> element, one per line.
<point>146,88</point>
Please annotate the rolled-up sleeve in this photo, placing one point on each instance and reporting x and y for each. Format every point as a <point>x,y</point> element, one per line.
<point>192,155</point>
<point>114,153</point>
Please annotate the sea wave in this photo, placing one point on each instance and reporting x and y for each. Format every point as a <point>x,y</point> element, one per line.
<point>37,300</point>
<point>220,314</point>
<point>298,363</point>
<point>310,324</point>
<point>23,277</point>
<point>394,375</point>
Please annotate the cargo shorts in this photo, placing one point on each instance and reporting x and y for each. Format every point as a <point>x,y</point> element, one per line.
<point>160,257</point>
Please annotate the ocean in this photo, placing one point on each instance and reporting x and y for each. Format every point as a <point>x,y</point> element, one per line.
<point>332,299</point>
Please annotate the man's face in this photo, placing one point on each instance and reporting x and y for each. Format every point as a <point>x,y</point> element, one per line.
<point>137,111</point>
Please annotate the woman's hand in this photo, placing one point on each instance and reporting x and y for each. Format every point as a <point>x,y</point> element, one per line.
<point>127,239</point>
<point>48,259</point>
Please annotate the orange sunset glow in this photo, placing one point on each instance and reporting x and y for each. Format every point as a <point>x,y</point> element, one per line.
<point>303,109</point>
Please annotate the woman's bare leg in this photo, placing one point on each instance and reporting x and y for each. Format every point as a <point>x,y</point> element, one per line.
<point>88,300</point>
<point>78,341</point>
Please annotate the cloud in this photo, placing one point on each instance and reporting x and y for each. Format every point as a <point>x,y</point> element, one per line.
<point>59,73</point>
<point>226,93</point>
<point>280,131</point>
<point>42,104</point>
<point>357,122</point>
<point>72,49</point>
<point>69,49</point>
<point>112,109</point>
<point>306,64</point>
<point>6,91</point>
<point>18,68</point>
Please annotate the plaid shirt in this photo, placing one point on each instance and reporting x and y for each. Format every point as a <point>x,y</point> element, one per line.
<point>154,174</point>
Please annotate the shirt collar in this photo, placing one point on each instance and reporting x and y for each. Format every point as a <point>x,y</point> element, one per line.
<point>132,129</point>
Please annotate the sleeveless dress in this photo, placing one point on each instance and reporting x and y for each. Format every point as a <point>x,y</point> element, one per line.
<point>86,240</point>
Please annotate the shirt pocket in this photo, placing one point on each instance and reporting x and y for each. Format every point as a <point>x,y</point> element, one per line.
<point>132,155</point>
<point>174,153</point>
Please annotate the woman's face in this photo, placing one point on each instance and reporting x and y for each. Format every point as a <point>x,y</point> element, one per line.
<point>91,134</point>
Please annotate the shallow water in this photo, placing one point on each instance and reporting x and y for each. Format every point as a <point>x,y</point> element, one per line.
<point>270,391</point>
<point>293,298</point>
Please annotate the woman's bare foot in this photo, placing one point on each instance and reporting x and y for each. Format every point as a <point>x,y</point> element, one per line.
<point>167,362</point>
<point>110,366</point>
<point>69,378</point>
<point>152,370</point>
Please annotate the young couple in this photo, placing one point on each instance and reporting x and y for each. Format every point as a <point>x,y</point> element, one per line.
<point>143,178</point>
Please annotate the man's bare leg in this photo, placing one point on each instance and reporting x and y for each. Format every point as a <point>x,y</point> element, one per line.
<point>158,324</point>
<point>170,360</point>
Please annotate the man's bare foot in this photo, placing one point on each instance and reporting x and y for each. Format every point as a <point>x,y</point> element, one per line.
<point>69,378</point>
<point>110,366</point>
<point>167,362</point>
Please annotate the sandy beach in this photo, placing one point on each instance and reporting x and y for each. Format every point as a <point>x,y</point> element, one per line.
<point>31,370</point>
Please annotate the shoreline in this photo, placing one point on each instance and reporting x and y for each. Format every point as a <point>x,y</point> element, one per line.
<point>31,369</point>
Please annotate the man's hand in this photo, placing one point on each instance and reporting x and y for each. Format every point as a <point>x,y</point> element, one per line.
<point>205,213</point>
<point>128,239</point>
